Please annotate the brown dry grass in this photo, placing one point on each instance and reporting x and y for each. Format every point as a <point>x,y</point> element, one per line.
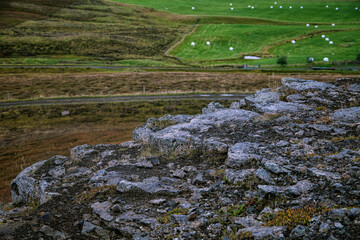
<point>36,145</point>
<point>35,85</point>
<point>34,133</point>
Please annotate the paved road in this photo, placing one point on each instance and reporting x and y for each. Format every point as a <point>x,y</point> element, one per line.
<point>63,101</point>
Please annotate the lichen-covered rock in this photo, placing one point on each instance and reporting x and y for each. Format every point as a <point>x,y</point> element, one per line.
<point>265,232</point>
<point>84,153</point>
<point>296,85</point>
<point>212,107</point>
<point>182,138</point>
<point>149,185</point>
<point>27,187</point>
<point>282,108</point>
<point>298,189</point>
<point>263,97</point>
<point>348,115</point>
<point>242,154</point>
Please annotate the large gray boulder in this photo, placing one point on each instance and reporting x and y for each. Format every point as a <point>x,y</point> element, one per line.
<point>297,85</point>
<point>262,97</point>
<point>184,137</point>
<point>142,134</point>
<point>261,232</point>
<point>212,107</point>
<point>298,189</point>
<point>347,115</point>
<point>281,107</point>
<point>24,188</point>
<point>27,187</point>
<point>242,154</point>
<point>149,185</point>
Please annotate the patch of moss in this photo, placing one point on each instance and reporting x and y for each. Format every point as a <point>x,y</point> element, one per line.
<point>321,109</point>
<point>88,195</point>
<point>292,217</point>
<point>161,124</point>
<point>348,138</point>
<point>176,211</point>
<point>232,235</point>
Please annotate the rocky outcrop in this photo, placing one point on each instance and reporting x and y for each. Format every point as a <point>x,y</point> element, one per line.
<point>276,165</point>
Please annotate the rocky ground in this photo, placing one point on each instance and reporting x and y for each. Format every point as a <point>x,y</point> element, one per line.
<point>276,165</point>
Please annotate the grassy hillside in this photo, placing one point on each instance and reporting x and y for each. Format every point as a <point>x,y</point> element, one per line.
<point>261,28</point>
<point>151,33</point>
<point>86,30</point>
<point>312,11</point>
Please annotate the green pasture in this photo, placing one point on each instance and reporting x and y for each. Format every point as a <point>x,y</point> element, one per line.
<point>268,41</point>
<point>312,11</point>
<point>346,45</point>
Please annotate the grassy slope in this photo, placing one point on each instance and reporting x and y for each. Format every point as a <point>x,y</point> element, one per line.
<point>88,31</point>
<point>265,41</point>
<point>313,11</point>
<point>96,32</point>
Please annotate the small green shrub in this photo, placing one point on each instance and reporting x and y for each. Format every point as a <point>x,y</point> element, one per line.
<point>320,109</point>
<point>358,57</point>
<point>166,218</point>
<point>282,60</point>
<point>292,217</point>
<point>237,210</point>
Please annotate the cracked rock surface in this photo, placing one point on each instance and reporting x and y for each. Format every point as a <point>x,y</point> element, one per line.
<point>276,165</point>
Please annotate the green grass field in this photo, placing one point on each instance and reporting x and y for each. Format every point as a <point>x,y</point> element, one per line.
<point>268,42</point>
<point>313,11</point>
<point>246,31</point>
<point>152,33</point>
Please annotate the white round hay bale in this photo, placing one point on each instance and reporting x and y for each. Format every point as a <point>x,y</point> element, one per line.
<point>249,6</point>
<point>192,43</point>
<point>336,9</point>
<point>333,24</point>
<point>252,7</point>
<point>301,7</point>
<point>308,25</point>
<point>326,59</point>
<point>290,7</point>
<point>311,59</point>
<point>293,41</point>
<point>271,7</point>
<point>232,9</point>
<point>230,4</point>
<point>356,8</point>
<point>280,6</point>
<point>316,26</point>
<point>327,6</point>
<point>323,36</point>
<point>327,39</point>
<point>275,2</point>
<point>193,8</point>
<point>231,48</point>
<point>208,43</point>
<point>331,42</point>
